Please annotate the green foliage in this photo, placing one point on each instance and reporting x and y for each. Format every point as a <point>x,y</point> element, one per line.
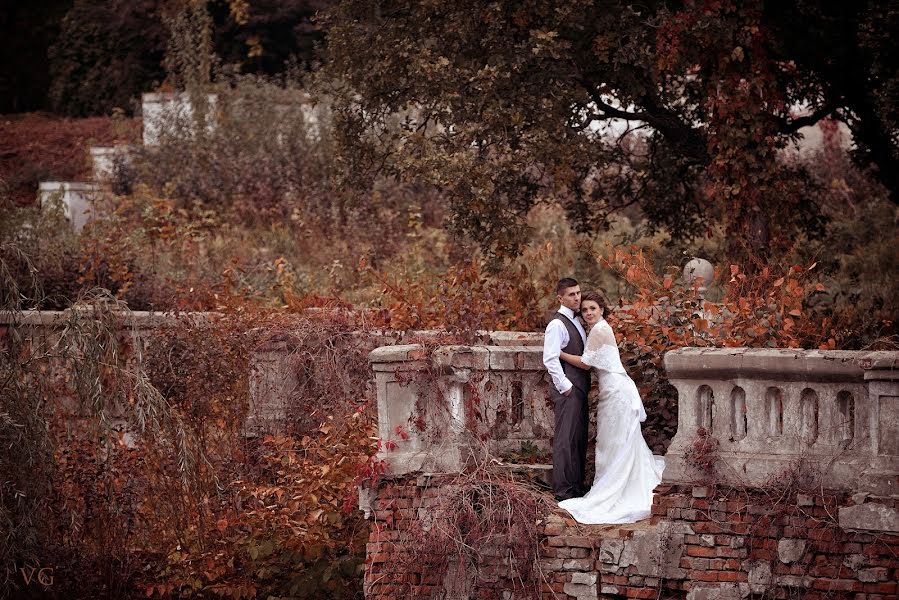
<point>506,106</point>
<point>107,53</point>
<point>39,254</point>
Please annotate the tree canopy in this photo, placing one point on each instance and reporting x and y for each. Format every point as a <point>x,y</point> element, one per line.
<point>680,108</point>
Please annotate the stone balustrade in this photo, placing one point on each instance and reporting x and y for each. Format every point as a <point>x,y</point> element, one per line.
<point>769,410</point>
<point>436,408</point>
<point>836,412</point>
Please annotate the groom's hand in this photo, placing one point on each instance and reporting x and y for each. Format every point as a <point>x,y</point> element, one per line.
<point>568,392</point>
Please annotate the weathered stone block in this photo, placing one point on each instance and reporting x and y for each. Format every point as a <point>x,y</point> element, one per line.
<point>871,516</point>
<point>804,500</point>
<point>580,591</point>
<point>610,551</point>
<point>578,564</point>
<point>655,553</point>
<point>719,591</point>
<point>760,577</point>
<point>873,575</point>
<point>608,589</point>
<point>584,578</point>
<point>795,581</point>
<point>790,550</point>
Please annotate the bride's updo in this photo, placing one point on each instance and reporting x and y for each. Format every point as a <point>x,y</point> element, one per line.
<point>599,298</point>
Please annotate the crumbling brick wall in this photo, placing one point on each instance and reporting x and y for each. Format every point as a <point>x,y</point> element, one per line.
<point>701,543</point>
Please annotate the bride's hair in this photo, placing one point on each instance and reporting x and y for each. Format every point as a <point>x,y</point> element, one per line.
<point>599,298</point>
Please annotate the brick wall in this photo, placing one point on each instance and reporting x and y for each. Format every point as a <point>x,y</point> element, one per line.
<point>701,543</point>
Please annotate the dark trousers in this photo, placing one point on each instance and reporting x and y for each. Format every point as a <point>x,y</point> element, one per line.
<point>569,442</point>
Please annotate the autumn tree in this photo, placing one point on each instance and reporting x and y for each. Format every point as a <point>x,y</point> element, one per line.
<point>679,108</point>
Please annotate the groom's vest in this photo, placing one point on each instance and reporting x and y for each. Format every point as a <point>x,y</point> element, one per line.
<point>579,378</point>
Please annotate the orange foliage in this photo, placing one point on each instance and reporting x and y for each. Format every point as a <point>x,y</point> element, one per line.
<point>766,309</point>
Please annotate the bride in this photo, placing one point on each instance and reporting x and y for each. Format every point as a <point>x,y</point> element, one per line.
<point>626,470</point>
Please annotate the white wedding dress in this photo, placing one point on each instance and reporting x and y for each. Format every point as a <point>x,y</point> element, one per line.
<point>626,469</point>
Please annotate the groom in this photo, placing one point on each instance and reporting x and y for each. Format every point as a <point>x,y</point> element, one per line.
<point>568,391</point>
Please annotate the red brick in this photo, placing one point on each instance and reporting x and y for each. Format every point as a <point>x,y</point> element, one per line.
<point>724,552</point>
<point>577,541</point>
<point>826,535</point>
<point>700,551</point>
<point>707,527</point>
<point>553,528</point>
<point>641,592</point>
<point>704,575</point>
<point>556,542</point>
<point>733,576</point>
<point>829,571</point>
<point>834,585</point>
<point>880,588</point>
<point>692,539</point>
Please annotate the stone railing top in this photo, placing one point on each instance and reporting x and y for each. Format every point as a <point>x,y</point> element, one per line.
<point>72,186</point>
<point>781,363</point>
<point>500,358</point>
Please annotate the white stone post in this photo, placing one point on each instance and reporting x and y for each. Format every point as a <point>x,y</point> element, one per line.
<point>77,200</point>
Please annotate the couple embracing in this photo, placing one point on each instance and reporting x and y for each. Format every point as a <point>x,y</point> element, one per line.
<point>626,470</point>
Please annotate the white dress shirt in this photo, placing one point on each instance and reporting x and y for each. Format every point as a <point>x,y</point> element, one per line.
<point>555,339</point>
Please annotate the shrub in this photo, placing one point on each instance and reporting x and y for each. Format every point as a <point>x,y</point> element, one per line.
<point>180,502</point>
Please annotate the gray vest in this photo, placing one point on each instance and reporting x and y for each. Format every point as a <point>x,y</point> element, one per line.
<point>580,378</point>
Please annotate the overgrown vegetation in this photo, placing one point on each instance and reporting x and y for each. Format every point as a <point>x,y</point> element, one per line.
<point>131,473</point>
<point>130,470</point>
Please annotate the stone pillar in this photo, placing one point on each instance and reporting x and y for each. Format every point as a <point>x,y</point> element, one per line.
<point>77,200</point>
<point>882,376</point>
<point>699,268</point>
<point>107,161</point>
<point>164,110</point>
